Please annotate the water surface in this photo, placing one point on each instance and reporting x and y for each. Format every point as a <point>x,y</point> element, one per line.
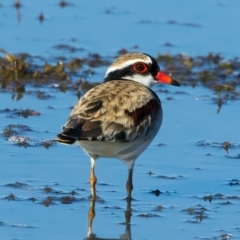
<point>45,192</point>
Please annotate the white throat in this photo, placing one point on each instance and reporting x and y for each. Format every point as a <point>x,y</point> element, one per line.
<point>146,80</point>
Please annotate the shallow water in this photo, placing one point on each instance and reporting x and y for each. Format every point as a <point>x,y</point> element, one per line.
<point>182,170</point>
<point>191,27</point>
<point>44,193</point>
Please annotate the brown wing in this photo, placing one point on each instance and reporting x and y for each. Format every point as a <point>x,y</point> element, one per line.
<point>113,111</point>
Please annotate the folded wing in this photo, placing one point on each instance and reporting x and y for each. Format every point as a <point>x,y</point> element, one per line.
<point>112,111</point>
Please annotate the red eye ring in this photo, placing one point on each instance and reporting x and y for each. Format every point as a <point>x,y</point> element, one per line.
<point>140,67</point>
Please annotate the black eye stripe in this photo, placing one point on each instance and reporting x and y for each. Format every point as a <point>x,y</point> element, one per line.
<point>128,71</point>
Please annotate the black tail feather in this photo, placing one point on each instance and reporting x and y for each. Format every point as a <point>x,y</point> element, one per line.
<point>64,139</point>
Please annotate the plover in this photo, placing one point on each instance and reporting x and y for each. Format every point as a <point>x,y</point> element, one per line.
<point>120,117</point>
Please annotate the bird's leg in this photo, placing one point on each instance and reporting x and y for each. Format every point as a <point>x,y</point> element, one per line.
<point>129,184</point>
<point>93,178</point>
<point>128,212</point>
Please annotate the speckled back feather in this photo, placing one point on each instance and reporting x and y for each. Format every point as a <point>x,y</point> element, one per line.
<point>113,111</point>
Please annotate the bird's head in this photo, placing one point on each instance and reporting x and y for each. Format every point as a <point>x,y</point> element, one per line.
<point>138,67</point>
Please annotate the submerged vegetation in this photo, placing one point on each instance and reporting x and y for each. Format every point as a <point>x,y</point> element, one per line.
<point>18,71</point>
<point>14,133</point>
<point>32,75</point>
<point>23,74</point>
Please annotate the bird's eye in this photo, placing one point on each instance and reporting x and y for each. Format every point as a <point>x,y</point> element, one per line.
<point>140,67</point>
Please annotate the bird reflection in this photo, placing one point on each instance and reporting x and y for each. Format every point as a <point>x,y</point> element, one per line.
<point>91,215</point>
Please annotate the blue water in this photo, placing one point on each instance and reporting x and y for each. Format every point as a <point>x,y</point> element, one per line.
<point>192,27</point>
<point>183,171</point>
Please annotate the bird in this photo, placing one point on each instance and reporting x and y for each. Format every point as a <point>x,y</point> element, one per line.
<point>120,117</point>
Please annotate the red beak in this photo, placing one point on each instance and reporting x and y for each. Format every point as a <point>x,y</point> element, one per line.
<point>164,78</point>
